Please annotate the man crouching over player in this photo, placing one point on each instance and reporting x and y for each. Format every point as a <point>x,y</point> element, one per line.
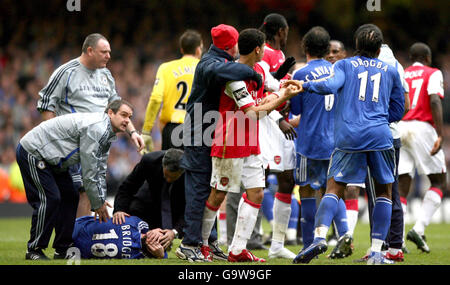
<point>235,151</point>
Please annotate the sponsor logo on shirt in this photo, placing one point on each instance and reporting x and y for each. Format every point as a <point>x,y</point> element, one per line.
<point>240,93</point>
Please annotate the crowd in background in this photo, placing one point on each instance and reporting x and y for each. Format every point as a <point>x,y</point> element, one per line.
<point>36,38</point>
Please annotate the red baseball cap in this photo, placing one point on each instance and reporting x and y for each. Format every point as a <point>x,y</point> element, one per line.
<point>224,36</point>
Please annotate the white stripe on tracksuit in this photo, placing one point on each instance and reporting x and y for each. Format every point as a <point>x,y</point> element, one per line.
<point>42,200</point>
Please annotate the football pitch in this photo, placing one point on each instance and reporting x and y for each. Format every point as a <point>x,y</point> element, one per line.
<point>14,234</point>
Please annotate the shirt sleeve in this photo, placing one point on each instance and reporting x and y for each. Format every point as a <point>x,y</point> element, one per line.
<point>328,85</point>
<point>397,100</point>
<point>112,85</point>
<point>53,92</point>
<point>436,84</point>
<point>94,150</point>
<point>154,103</point>
<point>275,116</point>
<point>238,91</point>
<point>270,83</point>
<point>221,72</point>
<point>401,72</point>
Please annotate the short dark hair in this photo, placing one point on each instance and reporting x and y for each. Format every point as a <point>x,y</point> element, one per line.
<point>368,40</point>
<point>316,42</point>
<point>272,24</point>
<point>116,104</point>
<point>172,159</point>
<point>419,52</point>
<point>190,40</point>
<point>341,44</point>
<point>249,39</point>
<point>91,41</point>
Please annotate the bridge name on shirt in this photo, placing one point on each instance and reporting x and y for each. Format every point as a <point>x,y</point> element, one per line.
<point>372,63</point>
<point>318,72</point>
<point>188,69</point>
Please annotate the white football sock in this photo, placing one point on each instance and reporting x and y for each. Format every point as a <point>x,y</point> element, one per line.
<point>352,219</point>
<point>376,245</point>
<point>222,221</point>
<point>245,223</point>
<point>281,216</point>
<point>209,217</point>
<point>430,204</point>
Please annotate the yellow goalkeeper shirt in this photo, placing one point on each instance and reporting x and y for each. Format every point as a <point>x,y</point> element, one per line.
<point>172,87</point>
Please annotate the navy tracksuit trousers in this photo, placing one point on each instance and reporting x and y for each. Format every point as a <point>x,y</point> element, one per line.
<point>394,238</point>
<point>53,198</point>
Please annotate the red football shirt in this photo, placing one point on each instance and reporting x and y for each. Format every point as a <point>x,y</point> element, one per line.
<point>236,135</point>
<point>423,81</point>
<point>275,58</point>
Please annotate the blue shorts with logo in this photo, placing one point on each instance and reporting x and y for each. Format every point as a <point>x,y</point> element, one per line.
<point>312,172</point>
<point>351,167</point>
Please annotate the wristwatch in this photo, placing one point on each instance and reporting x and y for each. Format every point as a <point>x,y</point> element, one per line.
<point>175,233</point>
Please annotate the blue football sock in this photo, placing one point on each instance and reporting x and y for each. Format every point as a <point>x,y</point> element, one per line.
<point>308,213</point>
<point>381,217</point>
<point>327,210</point>
<point>267,204</point>
<point>340,219</point>
<point>293,220</point>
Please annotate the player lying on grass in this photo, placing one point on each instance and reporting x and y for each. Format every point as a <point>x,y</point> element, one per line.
<point>130,240</point>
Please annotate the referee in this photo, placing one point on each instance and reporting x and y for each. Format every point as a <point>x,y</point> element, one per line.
<point>171,91</point>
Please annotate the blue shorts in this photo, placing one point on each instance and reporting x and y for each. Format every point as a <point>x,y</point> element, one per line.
<point>351,167</point>
<point>311,172</point>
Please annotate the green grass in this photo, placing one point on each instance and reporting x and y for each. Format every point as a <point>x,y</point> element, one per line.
<point>14,234</point>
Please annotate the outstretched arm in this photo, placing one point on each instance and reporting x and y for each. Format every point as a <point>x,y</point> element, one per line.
<point>328,85</point>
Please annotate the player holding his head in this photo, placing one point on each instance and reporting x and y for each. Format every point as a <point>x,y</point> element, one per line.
<point>235,151</point>
<point>369,96</point>
<point>422,137</point>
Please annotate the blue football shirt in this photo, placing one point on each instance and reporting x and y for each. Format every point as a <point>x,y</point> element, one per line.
<point>369,95</point>
<point>108,240</point>
<point>315,132</point>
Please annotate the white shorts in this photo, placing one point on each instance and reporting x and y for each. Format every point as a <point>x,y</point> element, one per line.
<point>418,139</point>
<point>278,153</point>
<point>228,173</point>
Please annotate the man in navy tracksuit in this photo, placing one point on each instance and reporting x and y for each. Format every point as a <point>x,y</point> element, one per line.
<point>215,68</point>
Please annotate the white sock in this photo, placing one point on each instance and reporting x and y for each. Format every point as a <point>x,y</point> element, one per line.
<point>352,219</point>
<point>393,251</point>
<point>376,245</point>
<point>404,208</point>
<point>222,221</point>
<point>321,232</point>
<point>291,234</point>
<point>430,204</point>
<point>245,223</point>
<point>281,216</point>
<point>209,217</point>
